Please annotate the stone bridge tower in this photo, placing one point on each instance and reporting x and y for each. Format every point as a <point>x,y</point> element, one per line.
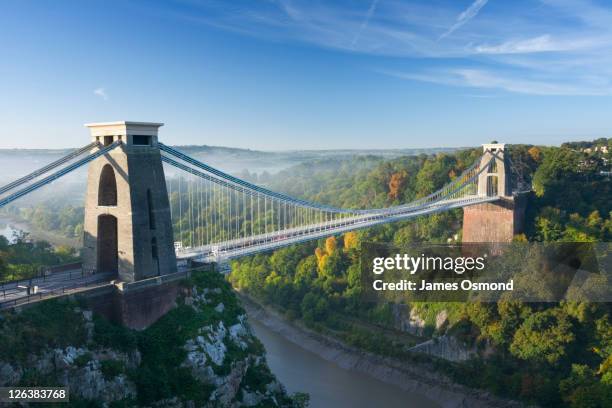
<point>497,221</point>
<point>127,228</point>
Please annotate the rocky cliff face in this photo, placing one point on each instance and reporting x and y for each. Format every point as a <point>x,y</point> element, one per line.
<point>202,353</point>
<point>409,320</point>
<point>446,347</point>
<point>440,343</point>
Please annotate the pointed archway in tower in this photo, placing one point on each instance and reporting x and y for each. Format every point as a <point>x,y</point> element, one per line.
<point>108,246</point>
<point>107,188</point>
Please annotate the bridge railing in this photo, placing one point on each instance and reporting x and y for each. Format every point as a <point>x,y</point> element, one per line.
<point>55,292</point>
<point>70,271</point>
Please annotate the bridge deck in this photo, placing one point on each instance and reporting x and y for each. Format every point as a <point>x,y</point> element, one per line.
<point>267,242</point>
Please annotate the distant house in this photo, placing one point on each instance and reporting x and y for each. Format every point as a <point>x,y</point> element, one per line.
<point>602,149</point>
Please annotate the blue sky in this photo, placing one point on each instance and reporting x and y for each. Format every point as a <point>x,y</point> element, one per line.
<point>308,74</point>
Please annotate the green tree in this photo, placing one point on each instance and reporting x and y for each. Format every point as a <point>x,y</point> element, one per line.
<point>558,164</point>
<point>314,308</point>
<point>306,271</point>
<point>543,337</point>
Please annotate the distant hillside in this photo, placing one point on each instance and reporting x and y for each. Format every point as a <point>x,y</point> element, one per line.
<point>17,162</point>
<point>255,161</point>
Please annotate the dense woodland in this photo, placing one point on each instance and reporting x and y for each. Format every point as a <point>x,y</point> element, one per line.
<point>548,354</point>
<point>24,258</point>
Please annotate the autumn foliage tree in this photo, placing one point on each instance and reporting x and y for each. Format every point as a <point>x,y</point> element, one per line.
<point>350,240</point>
<point>397,184</point>
<point>330,245</point>
<point>323,255</point>
<point>535,153</point>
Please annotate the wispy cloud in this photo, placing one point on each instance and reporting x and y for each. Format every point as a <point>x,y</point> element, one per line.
<point>542,43</point>
<point>465,16</point>
<point>366,21</point>
<point>561,47</point>
<point>101,92</point>
<point>482,96</point>
<point>483,79</point>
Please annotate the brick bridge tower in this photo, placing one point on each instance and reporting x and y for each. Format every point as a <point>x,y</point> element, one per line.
<point>496,221</point>
<point>127,228</point>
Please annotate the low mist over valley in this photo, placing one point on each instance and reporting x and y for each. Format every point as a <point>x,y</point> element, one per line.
<point>250,164</point>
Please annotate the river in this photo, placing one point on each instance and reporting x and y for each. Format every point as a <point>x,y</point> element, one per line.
<point>328,384</point>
